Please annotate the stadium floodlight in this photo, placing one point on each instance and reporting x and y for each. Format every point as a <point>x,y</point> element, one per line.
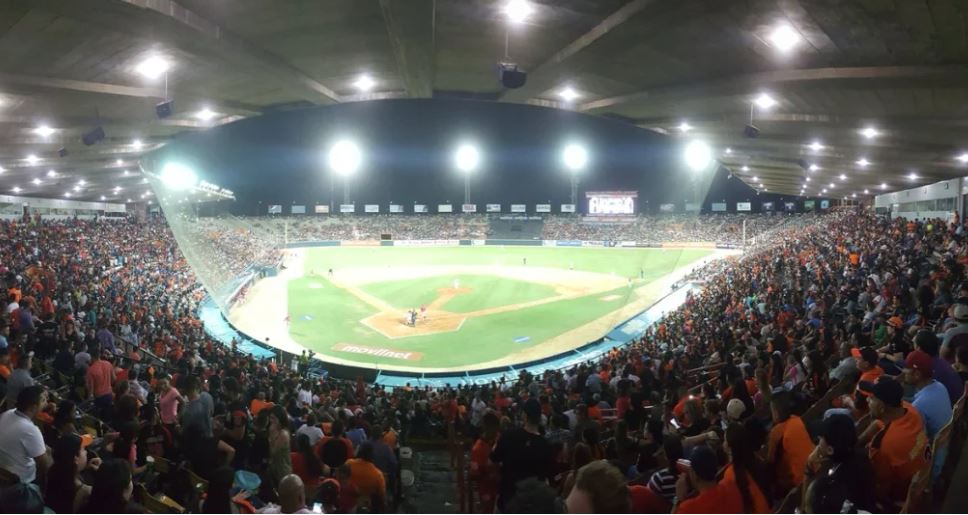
<point>814,167</point>
<point>843,177</point>
<point>783,38</point>
<point>863,162</point>
<point>867,192</point>
<point>698,156</point>
<point>51,173</point>
<point>36,181</point>
<point>729,151</point>
<point>518,10</point>
<point>345,157</point>
<point>816,146</point>
<point>913,176</point>
<point>178,177</point>
<point>466,158</point>
<point>684,127</point>
<point>44,131</point>
<point>15,189</point>
<point>205,114</point>
<point>575,157</point>
<point>568,94</point>
<point>745,168</point>
<point>32,159</point>
<point>764,101</point>
<point>870,133</point>
<point>364,83</point>
<point>137,144</point>
<point>962,158</point>
<point>153,67</point>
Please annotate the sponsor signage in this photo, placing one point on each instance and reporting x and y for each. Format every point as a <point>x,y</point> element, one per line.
<point>360,243</point>
<point>378,352</point>
<point>542,208</point>
<point>569,243</point>
<point>519,208</point>
<point>445,208</point>
<point>321,210</point>
<point>789,206</point>
<point>718,207</point>
<point>298,210</point>
<point>548,243</point>
<point>567,208</point>
<point>592,244</point>
<point>275,209</point>
<point>692,206</point>
<point>627,244</point>
<point>371,208</point>
<point>824,204</point>
<point>768,206</point>
<point>420,208</point>
<point>744,206</point>
<point>667,208</point>
<point>494,208</point>
<point>478,243</point>
<point>396,208</point>
<point>469,208</point>
<point>425,243</point>
<point>611,202</point>
<point>347,208</point>
<point>809,205</point>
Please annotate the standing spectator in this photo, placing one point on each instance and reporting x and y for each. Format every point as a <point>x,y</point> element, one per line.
<point>168,403</point>
<point>100,383</point>
<point>20,378</point>
<point>22,451</point>
<point>367,479</point>
<point>599,488</point>
<point>522,453</point>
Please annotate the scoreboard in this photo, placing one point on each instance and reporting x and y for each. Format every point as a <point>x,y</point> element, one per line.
<point>611,202</point>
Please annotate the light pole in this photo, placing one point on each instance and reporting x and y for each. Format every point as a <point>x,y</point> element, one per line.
<point>467,158</point>
<point>575,158</point>
<point>344,160</point>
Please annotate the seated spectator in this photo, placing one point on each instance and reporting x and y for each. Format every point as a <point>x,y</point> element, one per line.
<point>112,489</point>
<point>930,397</point>
<point>836,456</point>
<point>789,444</point>
<point>942,372</point>
<point>367,479</point>
<point>311,429</point>
<point>23,454</point>
<point>292,497</point>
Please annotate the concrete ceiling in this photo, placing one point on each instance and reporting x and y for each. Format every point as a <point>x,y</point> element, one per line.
<point>898,65</point>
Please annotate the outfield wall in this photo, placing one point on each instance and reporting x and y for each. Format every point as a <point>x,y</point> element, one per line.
<point>218,326</point>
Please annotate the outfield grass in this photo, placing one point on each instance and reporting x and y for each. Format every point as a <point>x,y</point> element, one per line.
<point>324,316</point>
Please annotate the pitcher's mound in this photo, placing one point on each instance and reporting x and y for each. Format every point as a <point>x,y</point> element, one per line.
<point>392,324</point>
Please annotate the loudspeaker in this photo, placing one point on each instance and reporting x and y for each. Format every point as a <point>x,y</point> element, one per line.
<point>803,163</point>
<point>164,109</point>
<point>93,136</point>
<point>512,77</point>
<point>62,152</point>
<point>751,131</point>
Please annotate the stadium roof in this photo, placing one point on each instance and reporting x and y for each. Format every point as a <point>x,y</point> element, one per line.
<point>896,66</point>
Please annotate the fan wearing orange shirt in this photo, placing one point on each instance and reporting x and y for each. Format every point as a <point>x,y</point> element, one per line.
<point>896,441</point>
<point>482,470</point>
<point>370,484</point>
<point>788,445</point>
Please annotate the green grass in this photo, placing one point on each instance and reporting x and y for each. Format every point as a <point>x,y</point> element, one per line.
<point>323,317</point>
<point>486,292</point>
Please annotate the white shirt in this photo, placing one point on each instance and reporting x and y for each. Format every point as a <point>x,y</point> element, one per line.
<point>12,307</point>
<point>305,397</point>
<point>314,433</point>
<point>20,443</point>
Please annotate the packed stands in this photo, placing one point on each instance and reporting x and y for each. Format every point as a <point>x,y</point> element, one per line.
<point>823,370</point>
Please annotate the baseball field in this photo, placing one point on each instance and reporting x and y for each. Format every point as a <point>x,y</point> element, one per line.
<point>476,307</point>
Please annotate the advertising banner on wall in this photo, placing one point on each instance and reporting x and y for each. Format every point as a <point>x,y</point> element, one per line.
<point>396,208</point>
<point>824,204</point>
<point>347,208</point>
<point>321,210</point>
<point>371,208</point>
<point>519,208</point>
<point>445,208</point>
<point>667,208</point>
<point>744,206</point>
<point>494,208</point>
<point>420,208</point>
<point>567,208</point>
<point>542,208</point>
<point>692,206</point>
<point>718,207</point>
<point>789,206</point>
<point>768,206</point>
<point>298,210</point>
<point>275,209</point>
<point>611,202</point>
<point>809,205</point>
<point>468,208</point>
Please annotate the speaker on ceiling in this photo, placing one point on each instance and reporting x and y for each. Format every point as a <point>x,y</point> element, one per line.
<point>750,131</point>
<point>93,136</point>
<point>62,152</point>
<point>164,109</point>
<point>511,76</point>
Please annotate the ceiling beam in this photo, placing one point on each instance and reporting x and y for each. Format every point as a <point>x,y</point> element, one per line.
<point>545,74</point>
<point>751,82</point>
<point>168,22</point>
<point>32,84</point>
<point>411,27</point>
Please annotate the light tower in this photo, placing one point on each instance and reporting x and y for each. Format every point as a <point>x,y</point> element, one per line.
<point>466,159</point>
<point>575,158</point>
<point>344,160</point>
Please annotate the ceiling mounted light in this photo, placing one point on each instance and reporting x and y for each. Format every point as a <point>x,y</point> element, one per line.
<point>853,195</point>
<point>756,179</point>
<point>125,173</point>
<point>119,162</point>
<point>102,198</point>
<point>82,182</point>
<point>913,176</point>
<point>814,168</point>
<point>729,150</point>
<point>153,67</point>
<point>36,181</point>
<point>77,188</point>
<point>44,131</point>
<point>963,158</point>
<point>205,114</point>
<point>783,38</point>
<point>518,10</point>
<point>2,169</point>
<point>568,95</point>
<point>843,177</point>
<point>32,159</point>
<point>15,189</point>
<point>867,192</point>
<point>816,146</point>
<point>364,83</point>
<point>764,101</point>
<point>870,133</point>
<point>67,194</point>
<point>137,144</point>
<point>745,168</point>
<point>808,179</point>
<point>832,186</point>
<point>863,162</point>
<point>128,201</point>
<point>698,156</point>
<point>883,185</point>
<point>684,127</point>
<point>823,190</point>
<point>51,173</point>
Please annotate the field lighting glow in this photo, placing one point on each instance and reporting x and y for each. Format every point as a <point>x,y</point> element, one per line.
<point>345,157</point>
<point>575,157</point>
<point>178,177</point>
<point>698,156</point>
<point>467,157</point>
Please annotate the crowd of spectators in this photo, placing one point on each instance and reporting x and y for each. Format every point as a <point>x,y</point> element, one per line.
<point>668,228</point>
<point>820,371</point>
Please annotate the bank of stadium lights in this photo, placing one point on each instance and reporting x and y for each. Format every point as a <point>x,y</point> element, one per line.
<point>345,157</point>
<point>869,132</point>
<point>178,177</point>
<point>764,101</point>
<point>205,114</point>
<point>364,83</point>
<point>698,156</point>
<point>684,127</point>
<point>815,146</point>
<point>32,159</point>
<point>783,38</point>
<point>518,10</point>
<point>137,144</point>
<point>814,167</point>
<point>962,158</point>
<point>15,189</point>
<point>44,131</point>
<point>863,162</point>
<point>153,67</point>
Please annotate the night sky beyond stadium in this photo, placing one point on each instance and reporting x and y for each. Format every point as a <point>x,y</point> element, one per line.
<point>280,158</point>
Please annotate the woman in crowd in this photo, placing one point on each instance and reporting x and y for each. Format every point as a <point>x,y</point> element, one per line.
<point>66,491</point>
<point>112,489</point>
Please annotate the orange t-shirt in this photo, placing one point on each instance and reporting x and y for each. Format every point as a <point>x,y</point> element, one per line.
<point>5,371</point>
<point>367,478</point>
<point>899,452</point>
<point>872,375</point>
<point>760,504</point>
<point>718,499</point>
<point>789,447</point>
<point>256,406</point>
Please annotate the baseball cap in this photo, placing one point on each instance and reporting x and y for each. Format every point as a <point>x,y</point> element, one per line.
<point>920,361</point>
<point>960,313</point>
<point>867,354</point>
<point>704,463</point>
<point>886,390</point>
<point>840,433</point>
<point>895,322</point>
<point>735,409</point>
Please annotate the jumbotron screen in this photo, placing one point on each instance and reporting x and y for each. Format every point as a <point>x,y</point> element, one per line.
<point>611,202</point>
